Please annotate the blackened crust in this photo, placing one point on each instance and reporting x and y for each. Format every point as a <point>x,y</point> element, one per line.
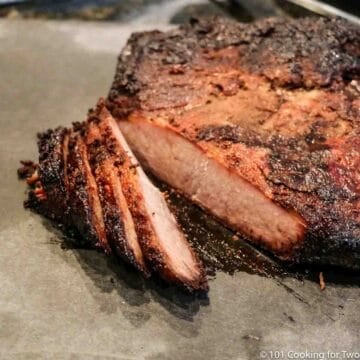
<point>82,211</point>
<point>52,146</point>
<point>303,53</point>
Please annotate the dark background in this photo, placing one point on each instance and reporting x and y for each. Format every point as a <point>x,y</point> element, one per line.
<point>127,10</point>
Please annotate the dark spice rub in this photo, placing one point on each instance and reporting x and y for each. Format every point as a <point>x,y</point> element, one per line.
<point>257,123</point>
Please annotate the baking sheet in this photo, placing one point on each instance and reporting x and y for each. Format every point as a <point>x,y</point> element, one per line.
<point>60,302</point>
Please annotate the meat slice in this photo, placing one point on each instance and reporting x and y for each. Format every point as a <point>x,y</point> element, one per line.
<point>83,196</point>
<point>119,224</point>
<point>164,245</point>
<point>258,123</point>
<point>50,177</point>
<point>219,190</point>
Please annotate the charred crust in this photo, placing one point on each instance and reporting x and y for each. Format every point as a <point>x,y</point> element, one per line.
<point>81,128</point>
<point>232,134</point>
<point>97,152</point>
<point>27,169</point>
<point>78,196</point>
<point>51,157</point>
<point>307,53</point>
<point>48,179</point>
<point>32,202</point>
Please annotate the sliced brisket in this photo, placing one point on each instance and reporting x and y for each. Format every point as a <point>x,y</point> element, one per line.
<point>89,180</point>
<point>83,195</point>
<point>119,224</point>
<point>50,178</point>
<point>164,245</point>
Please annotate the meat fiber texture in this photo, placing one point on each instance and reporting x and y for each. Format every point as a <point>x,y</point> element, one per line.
<point>257,123</point>
<point>88,180</point>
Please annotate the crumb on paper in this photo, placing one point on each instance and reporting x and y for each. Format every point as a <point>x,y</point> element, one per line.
<point>251,337</point>
<point>322,281</point>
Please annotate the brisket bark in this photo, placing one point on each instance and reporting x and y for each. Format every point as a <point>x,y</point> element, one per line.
<point>83,196</point>
<point>51,174</point>
<point>258,123</point>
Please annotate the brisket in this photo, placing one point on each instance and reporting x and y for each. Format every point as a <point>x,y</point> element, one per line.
<point>257,123</point>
